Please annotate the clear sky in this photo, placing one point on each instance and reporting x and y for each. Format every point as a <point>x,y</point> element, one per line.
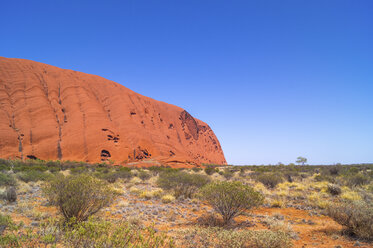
<point>274,79</point>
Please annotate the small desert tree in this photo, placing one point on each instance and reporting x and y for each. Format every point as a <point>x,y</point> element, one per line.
<point>231,199</point>
<point>301,160</point>
<point>79,196</point>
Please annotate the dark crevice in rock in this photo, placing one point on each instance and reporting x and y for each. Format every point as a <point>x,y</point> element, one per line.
<point>59,150</point>
<point>140,153</point>
<point>105,155</point>
<point>32,157</point>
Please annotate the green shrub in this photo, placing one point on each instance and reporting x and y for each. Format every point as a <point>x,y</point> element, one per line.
<point>124,173</point>
<point>110,177</point>
<point>7,180</point>
<point>334,189</point>
<point>4,167</point>
<point>353,171</point>
<point>11,194</point>
<point>270,180</point>
<point>356,216</point>
<point>12,236</point>
<point>215,237</point>
<point>107,234</point>
<point>327,178</point>
<point>228,174</point>
<point>144,175</point>
<point>210,170</point>
<point>231,199</point>
<point>357,180</point>
<point>5,221</point>
<point>78,170</point>
<point>182,183</point>
<point>33,176</point>
<point>335,170</point>
<point>79,196</point>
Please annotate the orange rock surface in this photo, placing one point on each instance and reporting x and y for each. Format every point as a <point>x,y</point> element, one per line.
<point>51,113</point>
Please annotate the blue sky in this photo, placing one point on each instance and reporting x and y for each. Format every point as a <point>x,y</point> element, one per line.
<point>274,79</point>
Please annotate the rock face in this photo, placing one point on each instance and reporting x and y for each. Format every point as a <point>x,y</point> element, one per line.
<point>51,113</point>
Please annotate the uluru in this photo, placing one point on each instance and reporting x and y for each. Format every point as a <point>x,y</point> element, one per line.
<point>57,114</point>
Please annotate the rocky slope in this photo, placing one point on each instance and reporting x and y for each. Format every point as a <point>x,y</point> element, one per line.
<point>51,113</point>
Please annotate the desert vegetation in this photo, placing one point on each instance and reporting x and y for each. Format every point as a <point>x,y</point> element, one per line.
<point>72,204</point>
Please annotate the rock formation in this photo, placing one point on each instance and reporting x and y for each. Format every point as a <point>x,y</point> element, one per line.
<point>55,114</point>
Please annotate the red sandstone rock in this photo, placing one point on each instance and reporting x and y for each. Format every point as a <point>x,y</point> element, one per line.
<point>51,113</point>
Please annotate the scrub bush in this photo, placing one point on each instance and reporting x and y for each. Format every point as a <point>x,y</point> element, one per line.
<point>231,199</point>
<point>79,196</point>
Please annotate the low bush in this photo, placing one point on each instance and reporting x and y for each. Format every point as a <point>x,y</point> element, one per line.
<point>91,233</point>
<point>270,239</point>
<point>7,180</point>
<point>12,236</point>
<point>124,173</point>
<point>5,165</point>
<point>107,234</point>
<point>215,237</point>
<point>357,180</point>
<point>197,169</point>
<point>5,221</point>
<point>11,194</point>
<point>335,170</point>
<point>356,216</point>
<point>79,196</point>
<point>33,176</point>
<point>110,177</point>
<point>231,199</point>
<point>78,170</point>
<point>210,170</point>
<point>144,175</point>
<point>270,180</point>
<point>182,183</point>
<point>227,174</point>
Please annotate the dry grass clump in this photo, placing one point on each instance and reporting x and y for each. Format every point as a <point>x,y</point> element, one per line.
<point>350,195</point>
<point>319,200</point>
<point>278,203</point>
<point>135,180</point>
<point>135,190</point>
<point>157,193</point>
<point>168,198</point>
